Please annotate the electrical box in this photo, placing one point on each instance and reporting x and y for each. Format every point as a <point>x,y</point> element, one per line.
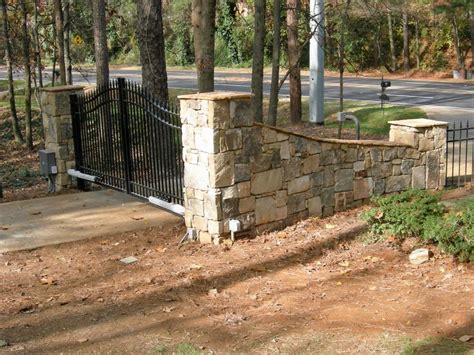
<point>47,162</point>
<point>234,225</point>
<point>341,116</point>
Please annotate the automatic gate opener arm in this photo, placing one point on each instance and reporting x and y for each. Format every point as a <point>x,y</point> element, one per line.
<point>79,175</point>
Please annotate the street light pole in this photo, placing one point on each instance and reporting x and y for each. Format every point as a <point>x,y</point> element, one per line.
<point>316,63</point>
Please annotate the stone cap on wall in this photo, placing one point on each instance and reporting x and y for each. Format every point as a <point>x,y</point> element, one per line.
<point>362,142</point>
<point>418,123</point>
<point>216,96</point>
<point>63,88</point>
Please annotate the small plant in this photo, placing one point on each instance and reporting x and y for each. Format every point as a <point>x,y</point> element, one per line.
<point>402,215</point>
<point>454,233</point>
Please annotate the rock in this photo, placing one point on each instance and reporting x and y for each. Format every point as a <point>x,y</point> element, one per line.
<point>129,260</point>
<point>466,338</point>
<point>420,256</point>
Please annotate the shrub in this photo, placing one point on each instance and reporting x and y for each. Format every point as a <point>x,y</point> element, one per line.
<point>403,214</point>
<point>454,233</point>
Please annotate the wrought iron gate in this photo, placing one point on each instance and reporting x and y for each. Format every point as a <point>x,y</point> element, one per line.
<point>129,141</point>
<point>460,154</point>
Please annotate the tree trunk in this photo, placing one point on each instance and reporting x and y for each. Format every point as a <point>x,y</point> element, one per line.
<point>11,88</point>
<point>273,106</point>
<point>196,14</point>
<point>471,27</point>
<point>406,35</point>
<point>26,63</point>
<point>100,42</point>
<point>293,60</point>
<point>457,46</point>
<point>204,25</point>
<point>152,47</point>
<point>342,45</point>
<point>37,46</point>
<point>258,60</point>
<point>417,43</point>
<point>392,43</point>
<point>67,41</point>
<point>59,22</point>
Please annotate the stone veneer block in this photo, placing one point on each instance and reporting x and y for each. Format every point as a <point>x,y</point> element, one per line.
<point>363,188</point>
<point>344,178</point>
<point>267,181</point>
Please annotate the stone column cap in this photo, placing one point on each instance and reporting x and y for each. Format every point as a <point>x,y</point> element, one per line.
<point>63,88</point>
<point>216,96</point>
<point>419,123</point>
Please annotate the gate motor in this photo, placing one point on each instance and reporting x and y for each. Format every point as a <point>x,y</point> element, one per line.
<point>48,168</point>
<point>344,116</point>
<point>384,84</point>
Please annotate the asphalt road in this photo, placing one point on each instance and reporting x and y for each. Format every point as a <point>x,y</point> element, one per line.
<point>442,100</point>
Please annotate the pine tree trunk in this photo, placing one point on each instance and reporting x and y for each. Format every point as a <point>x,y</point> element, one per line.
<point>406,44</point>
<point>273,106</point>
<point>417,43</point>
<point>152,47</point>
<point>208,30</point>
<point>391,40</point>
<point>196,14</point>
<point>37,46</point>
<point>258,60</point>
<point>26,63</point>
<point>100,42</point>
<point>67,41</point>
<point>11,88</point>
<point>59,22</point>
<point>293,7</point>
<point>471,27</point>
<point>457,46</point>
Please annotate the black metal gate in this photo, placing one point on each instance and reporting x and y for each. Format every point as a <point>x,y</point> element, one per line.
<point>129,141</point>
<point>460,154</point>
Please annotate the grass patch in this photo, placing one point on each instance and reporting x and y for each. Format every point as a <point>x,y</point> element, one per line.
<point>179,349</point>
<point>17,84</point>
<point>436,345</point>
<point>373,121</point>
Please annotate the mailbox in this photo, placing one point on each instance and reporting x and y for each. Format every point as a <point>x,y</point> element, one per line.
<point>385,84</point>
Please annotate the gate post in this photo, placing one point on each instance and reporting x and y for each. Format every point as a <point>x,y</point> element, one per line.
<point>212,133</point>
<point>58,132</point>
<point>428,140</point>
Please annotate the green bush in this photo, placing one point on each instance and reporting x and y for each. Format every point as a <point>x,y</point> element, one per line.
<point>417,213</point>
<point>454,233</point>
<point>404,214</point>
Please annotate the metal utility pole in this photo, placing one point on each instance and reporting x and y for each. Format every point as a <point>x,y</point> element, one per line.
<point>316,63</point>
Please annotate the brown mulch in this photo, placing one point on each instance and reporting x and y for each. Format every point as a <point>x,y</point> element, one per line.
<point>313,287</point>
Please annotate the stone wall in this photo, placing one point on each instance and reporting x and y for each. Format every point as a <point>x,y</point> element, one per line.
<point>269,178</point>
<point>57,125</point>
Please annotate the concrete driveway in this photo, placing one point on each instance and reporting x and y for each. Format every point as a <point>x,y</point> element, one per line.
<point>53,220</point>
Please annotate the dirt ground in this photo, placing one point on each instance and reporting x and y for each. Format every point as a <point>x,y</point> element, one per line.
<point>313,288</point>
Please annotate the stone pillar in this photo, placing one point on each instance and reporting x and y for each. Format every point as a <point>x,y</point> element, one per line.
<point>428,137</point>
<point>57,125</point>
<point>213,128</point>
